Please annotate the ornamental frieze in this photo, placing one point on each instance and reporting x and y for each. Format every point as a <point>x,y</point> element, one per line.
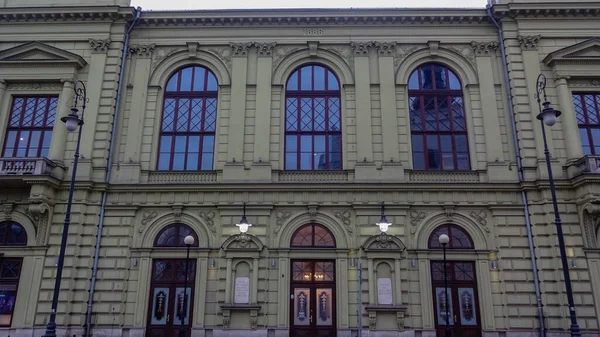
<point>529,42</point>
<point>361,48</point>
<point>385,48</point>
<point>240,49</point>
<point>142,50</point>
<point>484,48</point>
<point>264,48</point>
<point>100,45</point>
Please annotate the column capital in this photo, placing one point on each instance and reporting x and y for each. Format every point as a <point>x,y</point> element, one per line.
<point>361,48</point>
<point>240,49</point>
<point>561,79</point>
<point>385,48</point>
<point>264,48</point>
<point>3,84</point>
<point>484,48</point>
<point>100,45</point>
<point>142,50</point>
<point>529,42</point>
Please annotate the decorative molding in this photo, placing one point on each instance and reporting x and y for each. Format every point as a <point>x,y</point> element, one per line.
<point>243,242</point>
<point>402,52</point>
<point>385,48</point>
<point>240,49</point>
<point>253,319</point>
<point>372,320</point>
<point>449,210</point>
<point>443,177</point>
<point>464,51</point>
<point>583,53</point>
<point>33,86</point>
<point>7,210</point>
<point>313,47</point>
<point>281,52</point>
<point>343,51</point>
<point>209,219</point>
<point>177,209</point>
<point>142,50</point>
<point>346,218</point>
<point>400,320</point>
<point>591,219</point>
<point>579,83</point>
<point>39,55</point>
<point>264,48</point>
<point>280,218</point>
<point>484,48</point>
<point>481,218</point>
<point>100,45</point>
<point>361,48</point>
<point>529,42</point>
<point>192,48</point>
<point>312,212</point>
<point>162,53</point>
<point>434,47</point>
<point>416,217</point>
<point>384,242</point>
<point>147,217</point>
<point>40,212</point>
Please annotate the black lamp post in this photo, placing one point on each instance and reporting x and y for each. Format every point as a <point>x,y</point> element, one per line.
<point>72,121</point>
<point>189,241</point>
<point>548,116</point>
<point>383,223</point>
<point>444,239</point>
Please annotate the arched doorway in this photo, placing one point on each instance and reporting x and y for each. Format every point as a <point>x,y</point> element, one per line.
<point>460,304</point>
<point>312,288</point>
<point>170,301</point>
<point>12,234</point>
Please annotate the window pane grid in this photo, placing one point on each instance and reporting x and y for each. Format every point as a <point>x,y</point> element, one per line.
<point>313,123</point>
<point>587,108</point>
<point>437,120</point>
<point>189,121</point>
<point>30,126</point>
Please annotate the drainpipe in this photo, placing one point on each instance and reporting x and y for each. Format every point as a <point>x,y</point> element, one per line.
<point>111,149</point>
<point>511,116</point>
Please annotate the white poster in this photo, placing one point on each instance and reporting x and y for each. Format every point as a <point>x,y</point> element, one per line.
<point>384,291</point>
<point>242,290</point>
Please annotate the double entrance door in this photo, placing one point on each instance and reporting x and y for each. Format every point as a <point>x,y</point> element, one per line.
<point>312,299</point>
<point>459,305</point>
<point>171,303</point>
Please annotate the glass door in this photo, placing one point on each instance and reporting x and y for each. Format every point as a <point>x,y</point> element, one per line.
<point>312,299</point>
<point>170,302</point>
<point>458,307</point>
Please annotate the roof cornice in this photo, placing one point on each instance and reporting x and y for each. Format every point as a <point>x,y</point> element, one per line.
<point>547,10</point>
<point>58,14</point>
<point>296,17</point>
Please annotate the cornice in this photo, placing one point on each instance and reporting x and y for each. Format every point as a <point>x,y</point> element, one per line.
<point>546,10</point>
<point>56,14</point>
<point>299,17</point>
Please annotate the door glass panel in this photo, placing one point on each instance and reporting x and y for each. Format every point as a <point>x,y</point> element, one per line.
<point>324,271</point>
<point>466,300</point>
<point>302,306</point>
<point>443,306</point>
<point>160,303</point>
<point>324,304</point>
<point>182,305</point>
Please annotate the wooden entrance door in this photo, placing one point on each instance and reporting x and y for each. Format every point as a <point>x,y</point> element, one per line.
<point>167,305</point>
<point>462,301</point>
<point>312,294</point>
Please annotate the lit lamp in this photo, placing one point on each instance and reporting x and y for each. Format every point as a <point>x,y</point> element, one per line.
<point>383,223</point>
<point>244,225</point>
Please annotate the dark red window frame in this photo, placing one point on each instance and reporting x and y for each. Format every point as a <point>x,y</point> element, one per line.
<point>312,230</point>
<point>459,238</point>
<point>444,134</point>
<point>313,114</point>
<point>188,122</point>
<point>179,231</point>
<point>30,117</point>
<point>587,110</point>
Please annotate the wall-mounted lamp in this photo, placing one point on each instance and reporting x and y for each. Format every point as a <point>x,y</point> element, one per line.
<point>244,225</point>
<point>413,262</point>
<point>353,262</point>
<point>134,261</point>
<point>273,263</point>
<point>383,223</point>
<point>212,263</point>
<point>571,255</point>
<point>494,264</point>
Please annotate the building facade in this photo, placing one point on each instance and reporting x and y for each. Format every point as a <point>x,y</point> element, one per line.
<point>306,122</point>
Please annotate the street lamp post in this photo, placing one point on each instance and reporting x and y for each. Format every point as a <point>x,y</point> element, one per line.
<point>189,241</point>
<point>444,239</point>
<point>548,116</point>
<point>72,121</point>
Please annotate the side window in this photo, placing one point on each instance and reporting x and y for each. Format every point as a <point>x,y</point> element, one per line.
<point>313,127</point>
<point>30,126</point>
<point>437,119</point>
<point>587,108</point>
<point>187,131</point>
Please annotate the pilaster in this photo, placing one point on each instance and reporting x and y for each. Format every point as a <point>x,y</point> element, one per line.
<point>261,169</point>
<point>58,142</point>
<point>568,119</point>
<point>2,91</point>
<point>391,166</point>
<point>95,78</point>
<point>129,170</point>
<point>489,111</point>
<point>364,169</point>
<point>234,167</point>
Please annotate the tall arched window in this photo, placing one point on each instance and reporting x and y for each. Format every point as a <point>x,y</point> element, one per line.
<point>313,128</point>
<point>187,132</point>
<point>587,108</point>
<point>437,119</point>
<point>313,235</point>
<point>11,234</point>
<point>173,235</point>
<point>459,238</point>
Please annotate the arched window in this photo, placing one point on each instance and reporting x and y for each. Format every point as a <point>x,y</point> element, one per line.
<point>587,109</point>
<point>313,235</point>
<point>187,131</point>
<point>12,234</point>
<point>437,119</point>
<point>173,235</point>
<point>313,127</point>
<point>459,238</point>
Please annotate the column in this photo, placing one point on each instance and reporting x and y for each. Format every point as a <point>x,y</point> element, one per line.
<point>234,167</point>
<point>261,168</point>
<point>2,91</point>
<point>397,282</point>
<point>254,297</point>
<point>4,117</point>
<point>130,169</point>
<point>372,283</point>
<point>228,281</point>
<point>364,131</point>
<point>58,143</point>
<point>568,119</point>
